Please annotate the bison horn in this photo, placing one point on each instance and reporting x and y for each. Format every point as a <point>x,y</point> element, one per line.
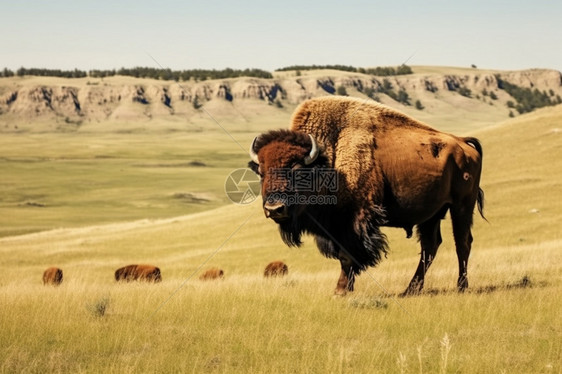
<point>313,152</point>
<point>253,153</point>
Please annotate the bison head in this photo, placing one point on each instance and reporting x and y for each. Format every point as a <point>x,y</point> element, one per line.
<point>289,164</point>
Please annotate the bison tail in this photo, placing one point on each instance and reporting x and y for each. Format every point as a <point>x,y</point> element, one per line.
<point>480,203</point>
<point>480,198</point>
<point>476,144</point>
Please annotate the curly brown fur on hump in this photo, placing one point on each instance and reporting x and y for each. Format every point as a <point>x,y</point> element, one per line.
<point>326,117</point>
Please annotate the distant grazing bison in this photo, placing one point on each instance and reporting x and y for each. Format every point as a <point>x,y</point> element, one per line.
<point>213,273</point>
<point>346,167</point>
<point>130,273</point>
<point>52,276</point>
<point>276,269</point>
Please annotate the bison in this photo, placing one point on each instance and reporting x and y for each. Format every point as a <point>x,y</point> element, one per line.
<point>346,167</point>
<point>52,276</point>
<point>212,273</point>
<point>130,273</point>
<point>276,269</point>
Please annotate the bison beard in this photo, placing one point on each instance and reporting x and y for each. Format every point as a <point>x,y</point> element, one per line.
<point>291,231</point>
<point>360,239</point>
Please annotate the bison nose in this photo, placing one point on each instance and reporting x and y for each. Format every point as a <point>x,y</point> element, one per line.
<point>275,210</point>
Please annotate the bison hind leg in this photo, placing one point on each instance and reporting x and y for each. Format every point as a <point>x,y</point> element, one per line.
<point>429,234</point>
<point>462,223</point>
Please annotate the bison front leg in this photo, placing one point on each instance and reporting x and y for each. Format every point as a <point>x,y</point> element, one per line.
<point>347,276</point>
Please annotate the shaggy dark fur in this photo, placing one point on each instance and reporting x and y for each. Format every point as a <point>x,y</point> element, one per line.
<point>356,231</point>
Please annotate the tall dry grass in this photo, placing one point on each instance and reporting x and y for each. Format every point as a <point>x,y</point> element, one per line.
<point>507,322</point>
<point>248,324</point>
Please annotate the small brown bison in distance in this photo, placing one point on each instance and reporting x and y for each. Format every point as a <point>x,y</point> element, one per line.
<point>130,273</point>
<point>213,273</point>
<point>276,269</point>
<point>52,276</point>
<point>346,167</point>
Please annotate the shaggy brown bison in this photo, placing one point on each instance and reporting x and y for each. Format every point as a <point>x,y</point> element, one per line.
<point>130,273</point>
<point>276,269</point>
<point>346,167</point>
<point>213,273</point>
<point>52,276</point>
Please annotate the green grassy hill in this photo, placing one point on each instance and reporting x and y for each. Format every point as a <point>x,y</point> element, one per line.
<point>56,180</point>
<point>507,322</point>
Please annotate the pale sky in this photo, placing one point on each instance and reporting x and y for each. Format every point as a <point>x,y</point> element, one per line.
<point>208,34</point>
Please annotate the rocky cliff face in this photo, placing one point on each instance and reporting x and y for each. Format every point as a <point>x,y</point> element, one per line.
<point>77,101</point>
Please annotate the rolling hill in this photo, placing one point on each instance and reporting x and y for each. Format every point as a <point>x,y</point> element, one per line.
<point>522,180</point>
<point>449,98</point>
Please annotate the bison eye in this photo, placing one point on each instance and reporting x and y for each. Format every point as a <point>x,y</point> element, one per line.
<point>296,165</point>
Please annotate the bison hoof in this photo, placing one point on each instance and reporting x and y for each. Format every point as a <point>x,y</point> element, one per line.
<point>414,288</point>
<point>462,284</point>
<point>340,292</point>
<point>411,292</point>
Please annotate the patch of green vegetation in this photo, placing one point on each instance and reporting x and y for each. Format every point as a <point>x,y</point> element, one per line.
<point>464,91</point>
<point>371,93</point>
<point>382,71</point>
<point>527,99</point>
<point>403,97</point>
<point>387,89</point>
<point>318,67</point>
<point>141,72</point>
<point>341,91</point>
<point>99,308</point>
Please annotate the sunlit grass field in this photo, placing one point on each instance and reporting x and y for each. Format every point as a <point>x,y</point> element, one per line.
<point>73,179</point>
<point>108,199</point>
